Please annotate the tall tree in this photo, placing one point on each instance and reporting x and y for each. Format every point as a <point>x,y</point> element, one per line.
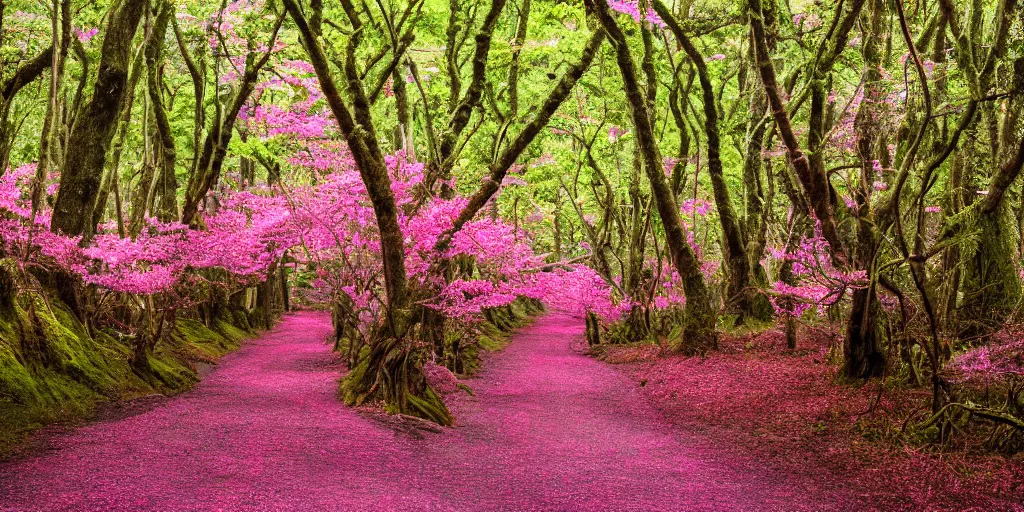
<point>390,368</point>
<point>701,316</point>
<point>26,73</point>
<point>90,137</point>
<point>813,181</point>
<point>167,154</point>
<point>746,300</point>
<point>862,350</point>
<point>210,160</point>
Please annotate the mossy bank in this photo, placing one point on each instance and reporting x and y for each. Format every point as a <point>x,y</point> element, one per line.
<point>54,369</point>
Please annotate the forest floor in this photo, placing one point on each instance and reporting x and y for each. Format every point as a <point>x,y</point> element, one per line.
<point>548,428</point>
<point>785,408</point>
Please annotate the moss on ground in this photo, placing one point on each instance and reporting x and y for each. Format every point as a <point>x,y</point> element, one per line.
<point>52,370</point>
<point>494,333</point>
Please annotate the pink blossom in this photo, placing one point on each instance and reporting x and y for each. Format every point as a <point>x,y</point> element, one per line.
<point>615,133</point>
<point>86,35</point>
<point>632,9</point>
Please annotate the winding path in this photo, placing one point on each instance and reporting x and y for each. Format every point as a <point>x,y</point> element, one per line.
<point>547,429</point>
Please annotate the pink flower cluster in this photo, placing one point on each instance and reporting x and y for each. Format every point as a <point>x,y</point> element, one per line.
<point>335,222</point>
<point>632,9</point>
<point>86,35</point>
<point>818,282</point>
<point>244,237</point>
<point>1002,358</point>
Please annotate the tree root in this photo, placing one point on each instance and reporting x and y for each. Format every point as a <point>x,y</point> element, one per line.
<point>987,413</point>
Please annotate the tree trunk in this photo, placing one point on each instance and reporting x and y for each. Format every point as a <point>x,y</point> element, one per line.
<point>991,284</point>
<point>862,347</point>
<point>699,334</point>
<point>166,183</point>
<point>391,367</point>
<point>90,137</point>
<point>207,169</point>
<point>61,41</point>
<point>817,189</point>
<point>111,183</point>
<point>28,72</point>
<point>740,295</point>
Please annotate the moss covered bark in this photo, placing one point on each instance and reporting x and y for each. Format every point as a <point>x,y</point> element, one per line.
<point>991,286</point>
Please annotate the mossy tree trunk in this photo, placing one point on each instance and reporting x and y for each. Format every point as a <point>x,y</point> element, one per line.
<point>111,182</point>
<point>741,297</point>
<point>699,333</point>
<point>818,192</point>
<point>635,276</point>
<point>152,326</point>
<point>92,133</point>
<point>862,351</point>
<point>166,184</point>
<point>390,368</point>
<point>755,223</point>
<point>25,74</point>
<point>991,285</point>
<point>50,154</point>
